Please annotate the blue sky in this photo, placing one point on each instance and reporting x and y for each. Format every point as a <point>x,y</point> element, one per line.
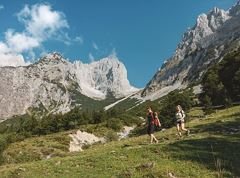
<point>143,33</point>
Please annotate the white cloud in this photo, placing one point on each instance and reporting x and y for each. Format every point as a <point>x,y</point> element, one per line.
<point>20,42</point>
<point>95,46</point>
<point>91,57</point>
<point>41,23</point>
<point>11,60</point>
<point>1,7</point>
<point>3,48</point>
<point>79,39</point>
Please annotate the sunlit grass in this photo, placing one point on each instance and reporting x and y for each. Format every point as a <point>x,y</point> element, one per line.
<point>211,150</point>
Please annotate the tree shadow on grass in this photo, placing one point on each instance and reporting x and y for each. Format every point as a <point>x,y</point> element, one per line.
<point>219,152</point>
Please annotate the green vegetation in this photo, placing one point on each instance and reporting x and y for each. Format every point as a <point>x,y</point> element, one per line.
<point>34,145</point>
<point>19,148</point>
<point>37,148</point>
<point>89,104</point>
<point>211,150</point>
<point>221,83</point>
<point>166,106</point>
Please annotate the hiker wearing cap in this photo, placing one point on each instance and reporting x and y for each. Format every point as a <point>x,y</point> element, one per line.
<point>180,116</point>
<point>151,125</point>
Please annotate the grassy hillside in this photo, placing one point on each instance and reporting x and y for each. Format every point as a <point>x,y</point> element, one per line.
<point>212,150</point>
<point>45,147</point>
<point>87,103</point>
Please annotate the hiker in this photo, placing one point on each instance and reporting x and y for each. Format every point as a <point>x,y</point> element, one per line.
<point>151,125</point>
<point>180,116</point>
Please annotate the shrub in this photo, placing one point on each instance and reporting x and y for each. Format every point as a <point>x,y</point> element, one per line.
<point>112,136</point>
<point>114,123</point>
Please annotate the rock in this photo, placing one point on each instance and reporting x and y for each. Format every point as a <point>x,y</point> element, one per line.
<point>81,139</point>
<point>126,131</point>
<point>49,156</point>
<point>50,84</point>
<point>213,36</point>
<point>171,175</point>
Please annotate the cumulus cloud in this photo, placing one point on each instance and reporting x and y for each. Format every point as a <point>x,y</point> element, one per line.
<point>95,46</point>
<point>41,23</point>
<point>20,42</point>
<point>12,60</point>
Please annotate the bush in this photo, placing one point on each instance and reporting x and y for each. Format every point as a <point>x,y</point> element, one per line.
<point>112,136</point>
<point>129,119</point>
<point>141,130</point>
<point>167,112</point>
<point>114,123</point>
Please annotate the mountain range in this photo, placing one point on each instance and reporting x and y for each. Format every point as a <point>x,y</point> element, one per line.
<point>54,84</point>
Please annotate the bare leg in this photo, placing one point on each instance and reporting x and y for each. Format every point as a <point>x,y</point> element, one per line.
<point>154,138</point>
<point>184,129</point>
<point>151,138</point>
<point>179,131</point>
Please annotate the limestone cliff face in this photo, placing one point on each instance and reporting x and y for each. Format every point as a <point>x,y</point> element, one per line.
<point>214,34</point>
<point>49,83</point>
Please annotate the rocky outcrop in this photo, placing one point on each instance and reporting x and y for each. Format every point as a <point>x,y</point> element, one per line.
<point>214,35</point>
<point>48,84</point>
<point>81,139</point>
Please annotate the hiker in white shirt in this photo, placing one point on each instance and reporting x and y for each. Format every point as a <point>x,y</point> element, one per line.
<point>180,116</point>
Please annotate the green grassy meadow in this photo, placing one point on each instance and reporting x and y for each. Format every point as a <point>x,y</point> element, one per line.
<point>211,150</point>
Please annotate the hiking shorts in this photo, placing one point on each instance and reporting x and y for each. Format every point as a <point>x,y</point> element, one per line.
<point>180,121</point>
<point>150,129</point>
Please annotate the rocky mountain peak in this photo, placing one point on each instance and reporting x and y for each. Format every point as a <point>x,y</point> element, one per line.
<point>103,76</point>
<point>53,84</point>
<point>214,35</point>
<point>235,10</point>
<point>238,3</point>
<point>52,58</point>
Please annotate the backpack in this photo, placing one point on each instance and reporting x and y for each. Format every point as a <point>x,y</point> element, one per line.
<point>156,121</point>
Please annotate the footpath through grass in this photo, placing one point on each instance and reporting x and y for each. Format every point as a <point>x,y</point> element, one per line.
<point>211,150</point>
